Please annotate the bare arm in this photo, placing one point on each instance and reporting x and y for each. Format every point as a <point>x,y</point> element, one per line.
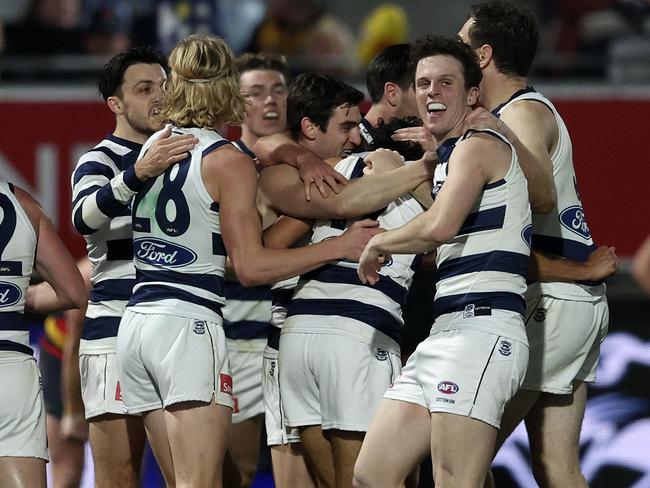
<point>53,263</point>
<point>474,163</point>
<point>231,179</point>
<point>280,148</point>
<point>641,265</point>
<point>73,422</point>
<point>285,232</point>
<point>361,196</point>
<point>601,264</point>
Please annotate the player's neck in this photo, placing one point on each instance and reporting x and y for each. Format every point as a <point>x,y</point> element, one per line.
<point>248,138</point>
<point>499,88</point>
<point>376,113</point>
<point>125,131</point>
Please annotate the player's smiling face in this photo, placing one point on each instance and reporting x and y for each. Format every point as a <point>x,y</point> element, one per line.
<point>443,101</point>
<point>266,93</point>
<point>342,134</point>
<point>140,94</point>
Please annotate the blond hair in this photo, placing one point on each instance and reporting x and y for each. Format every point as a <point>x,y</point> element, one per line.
<point>202,90</point>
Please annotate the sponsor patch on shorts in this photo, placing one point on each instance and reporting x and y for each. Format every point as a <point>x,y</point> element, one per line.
<point>472,310</point>
<point>118,392</point>
<point>225,383</point>
<point>505,348</point>
<point>448,387</point>
<point>540,314</point>
<point>381,354</point>
<point>199,327</point>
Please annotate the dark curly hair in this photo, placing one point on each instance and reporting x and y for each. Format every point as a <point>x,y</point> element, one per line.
<point>112,75</point>
<point>381,137</point>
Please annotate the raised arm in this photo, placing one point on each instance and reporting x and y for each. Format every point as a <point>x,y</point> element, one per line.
<point>231,179</point>
<point>99,194</point>
<point>53,263</point>
<point>474,163</point>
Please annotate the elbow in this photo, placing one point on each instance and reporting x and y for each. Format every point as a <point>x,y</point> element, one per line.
<point>247,274</point>
<point>439,233</point>
<point>341,208</point>
<point>544,205</point>
<point>73,302</point>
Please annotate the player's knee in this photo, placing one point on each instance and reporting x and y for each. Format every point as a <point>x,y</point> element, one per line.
<point>363,477</point>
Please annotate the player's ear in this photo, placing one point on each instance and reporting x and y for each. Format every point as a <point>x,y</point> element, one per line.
<point>391,93</point>
<point>115,105</point>
<point>308,128</point>
<point>472,96</point>
<point>484,54</point>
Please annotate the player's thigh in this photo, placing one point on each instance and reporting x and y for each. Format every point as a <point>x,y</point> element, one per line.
<point>22,472</point>
<point>554,425</point>
<point>400,428</point>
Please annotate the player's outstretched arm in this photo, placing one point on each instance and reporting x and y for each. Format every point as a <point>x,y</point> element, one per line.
<point>601,264</point>
<point>280,148</point>
<point>53,263</point>
<point>473,163</point>
<point>282,187</point>
<point>230,178</point>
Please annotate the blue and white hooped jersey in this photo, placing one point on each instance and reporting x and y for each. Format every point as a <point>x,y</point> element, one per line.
<point>178,251</point>
<point>483,269</point>
<point>564,231</point>
<point>332,299</point>
<point>247,313</point>
<point>103,184</point>
<point>17,252</point>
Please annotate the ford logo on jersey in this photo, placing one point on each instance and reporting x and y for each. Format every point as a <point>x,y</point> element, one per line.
<point>448,387</point>
<point>150,250</point>
<point>573,218</point>
<point>9,294</point>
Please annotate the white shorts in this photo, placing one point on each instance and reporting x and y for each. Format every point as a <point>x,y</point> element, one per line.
<point>333,380</point>
<point>564,337</point>
<point>100,385</point>
<point>245,358</point>
<point>277,432</point>
<point>22,414</point>
<point>464,372</point>
<point>165,359</point>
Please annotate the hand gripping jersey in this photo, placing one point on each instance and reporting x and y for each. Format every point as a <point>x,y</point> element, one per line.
<point>17,250</point>
<point>484,267</point>
<point>103,184</point>
<point>178,251</point>
<point>564,231</point>
<point>332,299</point>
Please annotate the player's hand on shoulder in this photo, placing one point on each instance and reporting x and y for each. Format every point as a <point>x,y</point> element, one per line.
<point>355,238</point>
<point>163,152</point>
<point>481,119</point>
<point>602,263</point>
<point>315,171</point>
<point>417,134</point>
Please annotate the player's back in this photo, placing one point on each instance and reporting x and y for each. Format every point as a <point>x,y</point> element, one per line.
<point>17,250</point>
<point>563,231</point>
<point>179,254</point>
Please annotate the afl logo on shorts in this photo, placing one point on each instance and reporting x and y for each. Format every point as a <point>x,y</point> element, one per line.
<point>505,348</point>
<point>199,327</point>
<point>540,314</point>
<point>448,387</point>
<point>225,383</point>
<point>9,294</point>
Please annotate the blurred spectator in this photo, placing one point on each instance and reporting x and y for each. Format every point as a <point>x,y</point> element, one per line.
<point>311,38</point>
<point>109,29</point>
<point>384,26</point>
<point>50,27</point>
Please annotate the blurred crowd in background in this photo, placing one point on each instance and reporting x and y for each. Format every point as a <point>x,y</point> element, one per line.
<point>63,40</point>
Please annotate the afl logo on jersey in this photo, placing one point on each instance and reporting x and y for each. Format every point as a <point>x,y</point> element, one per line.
<point>448,387</point>
<point>157,252</point>
<point>9,294</point>
<point>573,218</point>
<point>527,235</point>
